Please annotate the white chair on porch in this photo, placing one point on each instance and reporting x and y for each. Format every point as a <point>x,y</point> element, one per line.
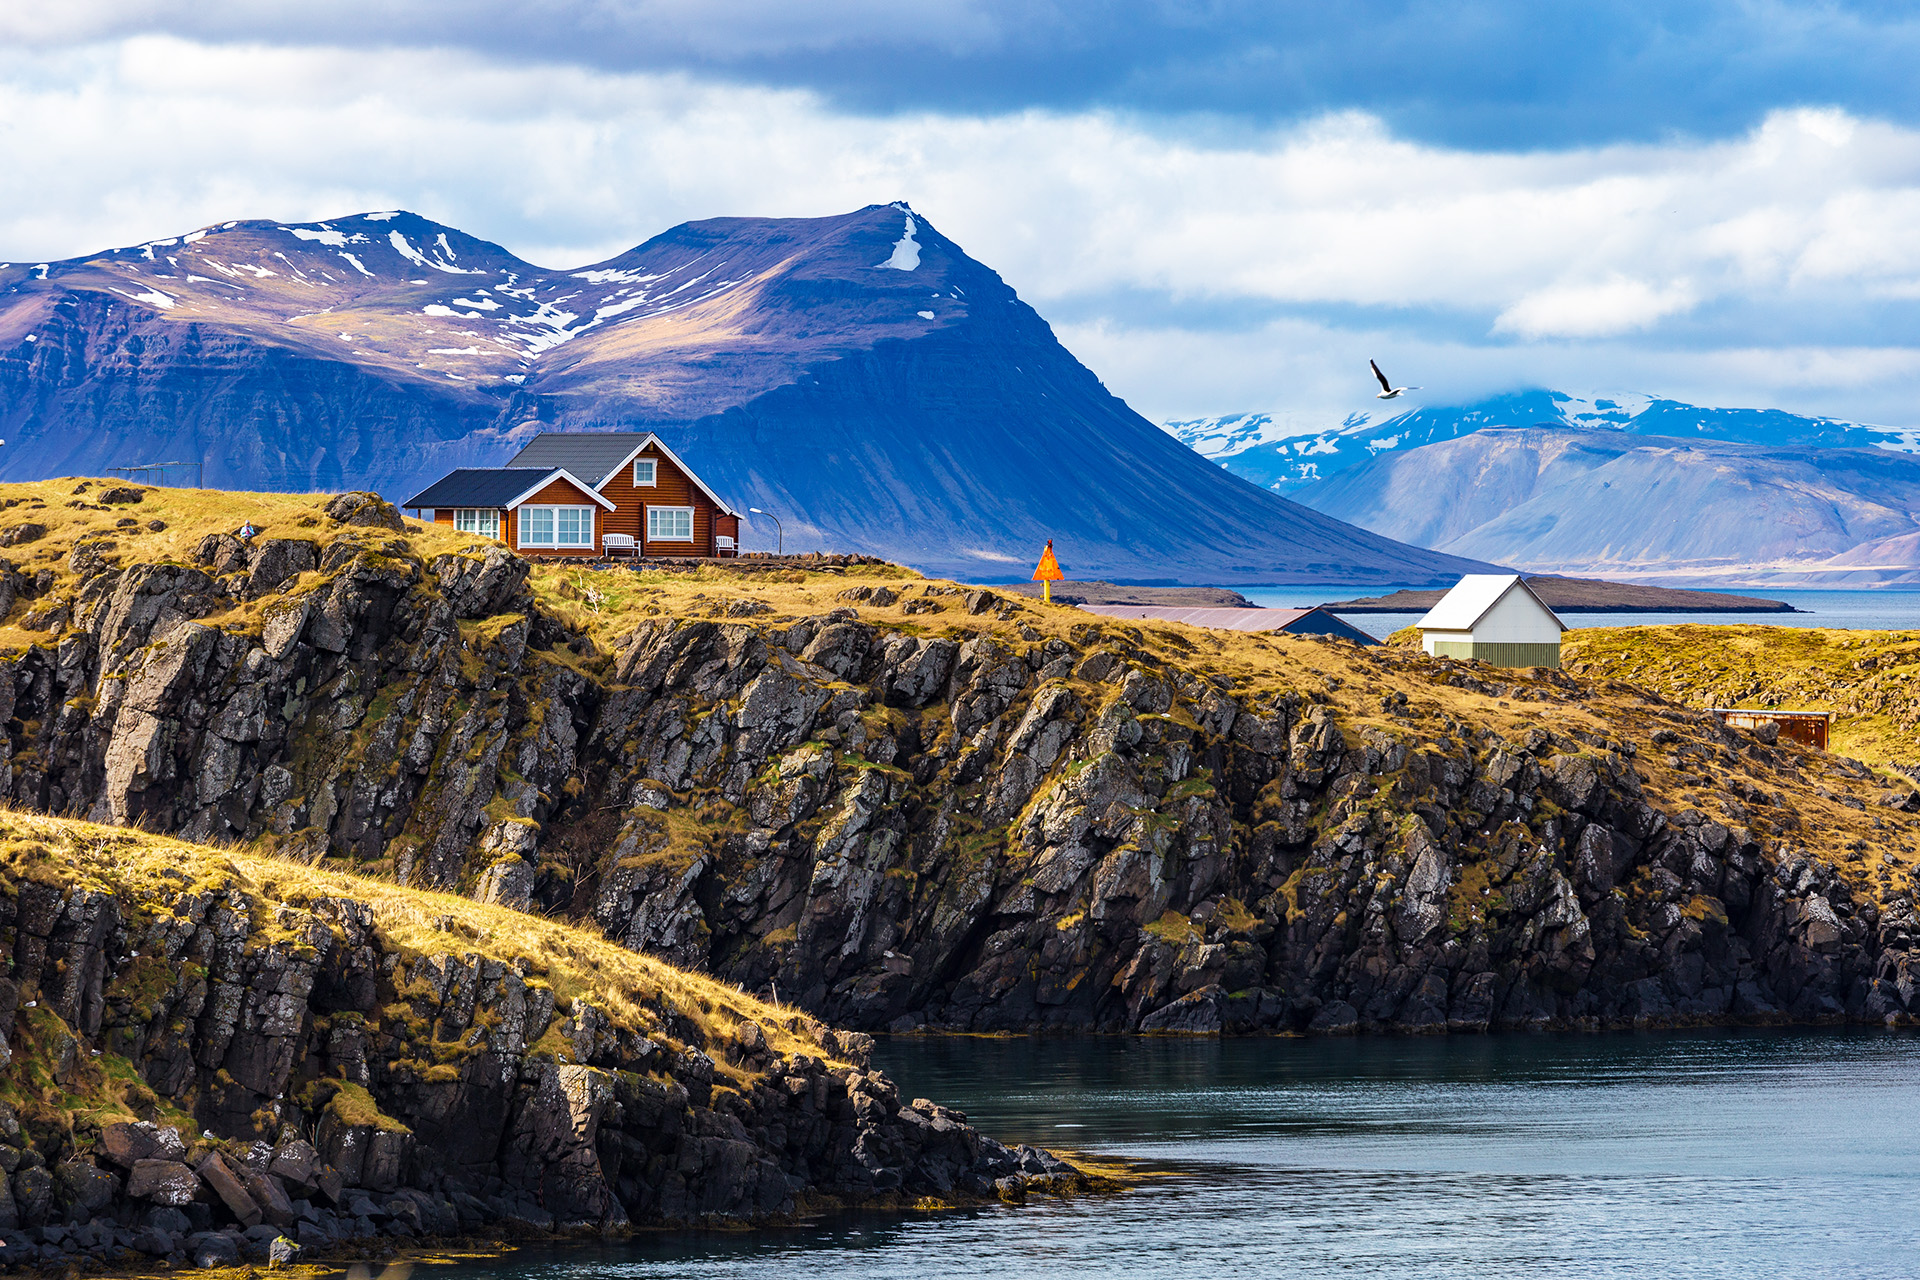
<point>618,544</point>
<point>724,546</point>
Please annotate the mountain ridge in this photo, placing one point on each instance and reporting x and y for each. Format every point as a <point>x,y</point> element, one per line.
<point>1286,454</point>
<point>859,375</point>
<point>1614,504</point>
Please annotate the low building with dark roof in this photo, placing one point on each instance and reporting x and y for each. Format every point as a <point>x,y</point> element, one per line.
<point>1297,622</point>
<point>587,493</point>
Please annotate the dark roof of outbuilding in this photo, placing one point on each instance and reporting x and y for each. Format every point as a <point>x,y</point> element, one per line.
<point>1300,622</point>
<point>591,455</point>
<point>478,487</point>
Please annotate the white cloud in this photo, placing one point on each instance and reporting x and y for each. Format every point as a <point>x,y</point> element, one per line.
<point>1773,239</point>
<point>1615,305</point>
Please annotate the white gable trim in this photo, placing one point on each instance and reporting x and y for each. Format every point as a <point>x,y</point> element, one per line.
<point>671,456</point>
<point>561,473</point>
<point>1448,614</point>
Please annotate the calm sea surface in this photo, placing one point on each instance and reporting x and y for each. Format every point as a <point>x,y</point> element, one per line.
<point>1724,1155</point>
<point>1870,610</point>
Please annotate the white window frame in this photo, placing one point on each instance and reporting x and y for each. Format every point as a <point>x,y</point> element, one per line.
<point>483,522</point>
<point>554,543</point>
<point>653,473</point>
<point>655,537</point>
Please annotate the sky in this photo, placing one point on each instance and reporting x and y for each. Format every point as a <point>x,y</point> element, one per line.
<point>1220,206</point>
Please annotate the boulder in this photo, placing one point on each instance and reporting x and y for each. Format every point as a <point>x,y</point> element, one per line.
<point>268,1192</point>
<point>154,1242</point>
<point>365,510</point>
<point>226,1184</point>
<point>1197,1013</point>
<point>296,1162</point>
<point>85,1186</point>
<point>221,552</point>
<point>210,1249</point>
<point>164,1182</point>
<point>127,1144</point>
<point>274,561</point>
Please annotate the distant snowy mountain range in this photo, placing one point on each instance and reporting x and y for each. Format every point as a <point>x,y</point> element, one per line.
<point>1285,453</point>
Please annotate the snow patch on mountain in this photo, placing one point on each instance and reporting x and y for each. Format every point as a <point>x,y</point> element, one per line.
<point>152,297</point>
<point>325,235</point>
<point>906,250</point>
<point>1284,452</point>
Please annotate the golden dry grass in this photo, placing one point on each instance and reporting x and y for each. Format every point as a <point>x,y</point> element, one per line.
<point>577,963</point>
<point>1869,680</point>
<point>189,516</point>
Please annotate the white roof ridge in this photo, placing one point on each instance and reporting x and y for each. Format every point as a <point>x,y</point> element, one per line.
<point>1473,597</point>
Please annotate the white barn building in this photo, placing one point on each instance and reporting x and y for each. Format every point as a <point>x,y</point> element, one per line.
<point>1496,618</point>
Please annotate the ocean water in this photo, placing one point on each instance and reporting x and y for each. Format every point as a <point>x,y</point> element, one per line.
<point>1869,610</point>
<point>1729,1154</point>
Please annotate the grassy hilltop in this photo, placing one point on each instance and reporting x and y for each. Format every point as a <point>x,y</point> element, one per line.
<point>1869,680</point>
<point>158,881</point>
<point>902,801</point>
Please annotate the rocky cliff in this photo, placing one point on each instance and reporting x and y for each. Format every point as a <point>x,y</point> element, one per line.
<point>206,1052</point>
<point>903,805</point>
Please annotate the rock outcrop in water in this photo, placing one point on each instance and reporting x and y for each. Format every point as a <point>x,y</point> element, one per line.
<point>927,809</point>
<point>203,1056</point>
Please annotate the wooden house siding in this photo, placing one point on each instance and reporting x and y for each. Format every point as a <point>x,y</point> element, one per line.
<point>559,494</point>
<point>444,515</point>
<point>671,488</point>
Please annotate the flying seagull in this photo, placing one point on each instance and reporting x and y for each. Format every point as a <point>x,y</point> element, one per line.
<point>1387,390</point>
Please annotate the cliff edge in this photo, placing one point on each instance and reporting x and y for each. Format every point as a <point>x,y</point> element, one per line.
<point>900,803</point>
<point>205,1051</point>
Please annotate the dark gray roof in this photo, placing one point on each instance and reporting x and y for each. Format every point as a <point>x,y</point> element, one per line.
<point>590,455</point>
<point>478,487</point>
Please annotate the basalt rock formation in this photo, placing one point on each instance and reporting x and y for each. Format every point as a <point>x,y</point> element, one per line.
<point>203,1057</point>
<point>932,809</point>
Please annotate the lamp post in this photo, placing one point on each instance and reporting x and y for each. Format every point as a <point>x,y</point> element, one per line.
<point>779,531</point>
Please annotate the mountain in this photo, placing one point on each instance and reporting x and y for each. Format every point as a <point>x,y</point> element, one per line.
<point>1285,454</point>
<point>860,376</point>
<point>1622,505</point>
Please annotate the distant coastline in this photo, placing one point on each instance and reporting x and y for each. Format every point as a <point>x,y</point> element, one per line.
<point>1563,595</point>
<point>1584,595</point>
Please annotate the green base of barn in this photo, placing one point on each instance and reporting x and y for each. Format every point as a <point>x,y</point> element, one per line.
<point>1500,655</point>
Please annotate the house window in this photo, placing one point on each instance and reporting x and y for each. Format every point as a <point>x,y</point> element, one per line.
<point>643,471</point>
<point>669,524</point>
<point>484,521</point>
<point>556,526</point>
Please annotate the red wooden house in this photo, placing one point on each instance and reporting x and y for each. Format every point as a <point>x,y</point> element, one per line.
<point>587,493</point>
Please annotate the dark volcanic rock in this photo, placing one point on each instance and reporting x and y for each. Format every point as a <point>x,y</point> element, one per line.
<point>256,1013</point>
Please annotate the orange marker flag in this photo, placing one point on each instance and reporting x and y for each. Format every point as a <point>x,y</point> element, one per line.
<point>1047,572</point>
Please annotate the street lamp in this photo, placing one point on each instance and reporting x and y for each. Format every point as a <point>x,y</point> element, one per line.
<point>779,531</point>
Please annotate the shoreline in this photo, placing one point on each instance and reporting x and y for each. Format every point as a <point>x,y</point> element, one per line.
<point>1091,1176</point>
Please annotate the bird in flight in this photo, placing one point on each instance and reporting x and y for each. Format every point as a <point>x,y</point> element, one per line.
<point>1387,390</point>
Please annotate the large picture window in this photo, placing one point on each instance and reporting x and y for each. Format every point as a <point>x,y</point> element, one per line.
<point>484,521</point>
<point>669,524</point>
<point>643,472</point>
<point>556,526</point>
